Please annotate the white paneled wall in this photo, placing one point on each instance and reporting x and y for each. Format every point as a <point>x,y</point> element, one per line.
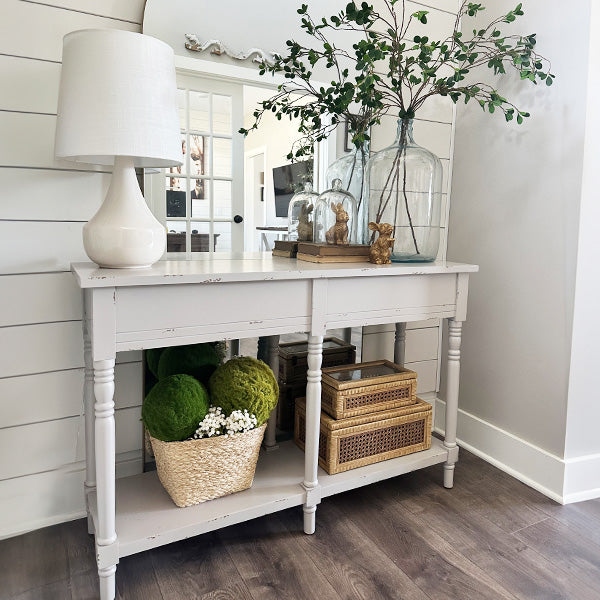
<point>434,130</point>
<point>43,205</point>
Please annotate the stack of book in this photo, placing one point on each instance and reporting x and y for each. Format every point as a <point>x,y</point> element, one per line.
<point>329,253</point>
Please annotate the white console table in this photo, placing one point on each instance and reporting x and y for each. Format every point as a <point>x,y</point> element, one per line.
<point>231,297</point>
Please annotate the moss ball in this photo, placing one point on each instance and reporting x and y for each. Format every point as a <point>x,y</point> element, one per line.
<point>152,358</point>
<point>197,360</point>
<point>174,407</point>
<point>245,383</point>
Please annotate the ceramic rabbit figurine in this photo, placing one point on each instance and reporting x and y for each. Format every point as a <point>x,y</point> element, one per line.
<point>338,234</point>
<point>381,249</point>
<point>305,227</point>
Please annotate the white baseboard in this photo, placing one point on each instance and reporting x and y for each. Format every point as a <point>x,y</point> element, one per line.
<point>43,499</point>
<point>534,466</point>
<point>582,478</point>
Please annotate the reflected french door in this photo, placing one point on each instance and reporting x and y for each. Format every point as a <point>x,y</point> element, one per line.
<point>201,203</point>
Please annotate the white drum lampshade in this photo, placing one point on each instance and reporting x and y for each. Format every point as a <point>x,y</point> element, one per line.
<point>118,107</point>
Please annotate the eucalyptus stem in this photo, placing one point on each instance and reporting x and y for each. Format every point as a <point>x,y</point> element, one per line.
<point>412,229</point>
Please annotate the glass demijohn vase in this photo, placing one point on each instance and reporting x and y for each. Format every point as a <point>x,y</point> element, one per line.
<point>404,183</point>
<point>335,210</point>
<point>300,208</point>
<point>350,168</point>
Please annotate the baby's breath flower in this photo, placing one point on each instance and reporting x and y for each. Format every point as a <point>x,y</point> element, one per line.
<point>216,423</point>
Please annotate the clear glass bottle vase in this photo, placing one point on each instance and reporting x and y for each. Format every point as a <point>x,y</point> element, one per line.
<point>350,169</point>
<point>404,183</point>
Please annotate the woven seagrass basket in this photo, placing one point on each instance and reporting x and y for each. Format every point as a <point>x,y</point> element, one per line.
<point>195,471</point>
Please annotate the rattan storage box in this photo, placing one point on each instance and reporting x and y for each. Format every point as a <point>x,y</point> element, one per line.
<point>292,358</point>
<point>353,390</point>
<point>346,444</point>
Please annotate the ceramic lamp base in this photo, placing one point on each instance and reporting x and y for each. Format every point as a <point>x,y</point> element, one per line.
<point>124,234</point>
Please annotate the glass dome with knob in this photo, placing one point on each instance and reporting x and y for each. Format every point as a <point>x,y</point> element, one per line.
<point>350,170</point>
<point>300,222</point>
<point>335,217</point>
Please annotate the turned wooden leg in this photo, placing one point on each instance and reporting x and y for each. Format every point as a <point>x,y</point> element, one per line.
<point>453,371</point>
<point>234,346</point>
<point>88,405</point>
<point>347,335</point>
<point>269,347</point>
<point>400,344</point>
<point>106,536</point>
<point>313,418</point>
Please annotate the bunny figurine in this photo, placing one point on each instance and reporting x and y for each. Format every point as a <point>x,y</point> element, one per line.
<point>338,234</point>
<point>381,249</point>
<point>305,226</point>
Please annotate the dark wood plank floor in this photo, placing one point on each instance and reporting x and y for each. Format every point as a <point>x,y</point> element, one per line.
<point>407,539</point>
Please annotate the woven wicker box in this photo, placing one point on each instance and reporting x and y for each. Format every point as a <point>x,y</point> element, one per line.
<point>353,390</point>
<point>346,444</point>
<point>292,358</point>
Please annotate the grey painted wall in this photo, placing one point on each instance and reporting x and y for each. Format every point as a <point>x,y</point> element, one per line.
<point>515,209</point>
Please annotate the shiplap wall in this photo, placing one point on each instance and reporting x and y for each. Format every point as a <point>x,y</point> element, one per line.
<point>434,130</point>
<point>43,205</point>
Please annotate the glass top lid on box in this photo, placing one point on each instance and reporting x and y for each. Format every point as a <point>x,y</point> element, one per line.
<point>368,373</point>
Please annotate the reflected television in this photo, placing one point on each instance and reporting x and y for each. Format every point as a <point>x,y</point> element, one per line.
<point>287,180</point>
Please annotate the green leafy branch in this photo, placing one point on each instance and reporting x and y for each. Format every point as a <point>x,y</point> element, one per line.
<point>392,73</point>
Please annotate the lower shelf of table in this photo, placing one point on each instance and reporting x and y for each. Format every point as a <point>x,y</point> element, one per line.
<point>147,518</point>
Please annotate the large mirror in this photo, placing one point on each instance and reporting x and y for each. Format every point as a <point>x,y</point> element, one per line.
<point>232,192</point>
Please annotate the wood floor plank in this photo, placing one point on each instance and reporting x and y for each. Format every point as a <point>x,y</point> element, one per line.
<point>431,562</point>
<point>136,579</point>
<point>566,549</point>
<point>59,590</point>
<point>198,568</point>
<point>32,561</point>
<point>582,518</point>
<point>81,553</point>
<point>84,585</point>
<point>519,568</point>
<point>496,491</point>
<point>355,566</point>
<point>272,564</point>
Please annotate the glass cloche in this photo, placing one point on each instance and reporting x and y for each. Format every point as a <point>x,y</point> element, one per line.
<point>300,209</point>
<point>350,169</point>
<point>336,217</point>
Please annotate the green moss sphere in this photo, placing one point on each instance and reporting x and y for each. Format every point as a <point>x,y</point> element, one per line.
<point>245,383</point>
<point>197,360</point>
<point>174,407</point>
<point>152,358</point>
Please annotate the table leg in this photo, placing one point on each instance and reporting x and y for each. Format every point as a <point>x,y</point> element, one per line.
<point>268,350</point>
<point>88,407</point>
<point>400,344</point>
<point>106,536</point>
<point>234,345</point>
<point>313,420</point>
<point>453,371</point>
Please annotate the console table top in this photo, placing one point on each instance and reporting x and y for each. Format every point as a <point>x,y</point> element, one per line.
<point>233,267</point>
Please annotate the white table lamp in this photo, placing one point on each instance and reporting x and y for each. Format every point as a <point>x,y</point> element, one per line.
<point>118,106</point>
